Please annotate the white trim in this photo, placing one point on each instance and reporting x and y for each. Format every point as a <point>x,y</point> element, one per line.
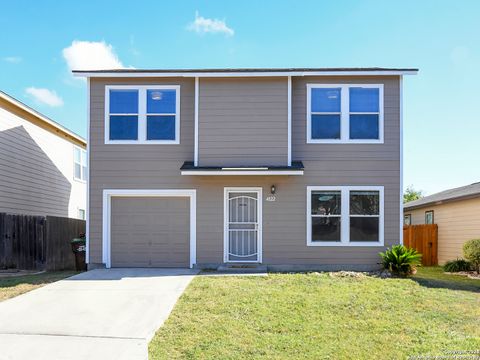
<point>289,120</point>
<point>401,159</point>
<point>244,172</point>
<point>345,115</point>
<point>42,117</point>
<point>87,208</point>
<point>107,204</point>
<point>226,191</point>
<point>197,97</point>
<point>345,215</point>
<point>142,114</point>
<point>82,151</point>
<point>244,73</point>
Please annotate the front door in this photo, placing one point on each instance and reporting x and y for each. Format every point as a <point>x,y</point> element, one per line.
<point>243,225</point>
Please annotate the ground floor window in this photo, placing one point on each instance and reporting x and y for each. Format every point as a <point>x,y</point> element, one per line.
<point>429,217</point>
<point>345,215</point>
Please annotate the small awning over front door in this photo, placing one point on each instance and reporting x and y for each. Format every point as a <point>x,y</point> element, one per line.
<point>189,169</point>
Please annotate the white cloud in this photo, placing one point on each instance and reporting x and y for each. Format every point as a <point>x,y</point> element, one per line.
<point>12,59</point>
<point>203,25</point>
<point>45,96</point>
<point>91,55</point>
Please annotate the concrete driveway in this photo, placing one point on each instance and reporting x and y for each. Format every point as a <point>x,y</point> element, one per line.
<point>100,314</point>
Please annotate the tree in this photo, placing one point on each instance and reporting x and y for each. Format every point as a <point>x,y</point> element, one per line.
<point>412,194</point>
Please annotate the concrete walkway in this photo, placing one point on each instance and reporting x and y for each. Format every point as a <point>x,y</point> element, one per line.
<point>100,314</point>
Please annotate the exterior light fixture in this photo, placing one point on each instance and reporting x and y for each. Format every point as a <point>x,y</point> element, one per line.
<point>273,189</point>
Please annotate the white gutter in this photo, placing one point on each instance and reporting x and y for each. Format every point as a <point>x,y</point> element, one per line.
<point>114,74</point>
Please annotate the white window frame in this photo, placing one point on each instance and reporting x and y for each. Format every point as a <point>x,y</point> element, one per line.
<point>345,115</point>
<point>84,213</point>
<point>345,216</point>
<point>142,113</point>
<point>81,167</point>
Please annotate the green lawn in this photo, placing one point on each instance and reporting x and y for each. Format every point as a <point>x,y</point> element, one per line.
<point>318,316</point>
<point>14,286</point>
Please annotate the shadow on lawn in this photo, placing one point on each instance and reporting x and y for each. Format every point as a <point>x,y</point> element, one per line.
<point>464,284</point>
<point>35,279</point>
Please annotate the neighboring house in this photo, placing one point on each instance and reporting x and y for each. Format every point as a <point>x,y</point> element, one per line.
<point>457,214</point>
<point>43,165</point>
<point>289,168</point>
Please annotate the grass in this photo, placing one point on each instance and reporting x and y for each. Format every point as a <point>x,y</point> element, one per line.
<point>14,286</point>
<point>318,316</point>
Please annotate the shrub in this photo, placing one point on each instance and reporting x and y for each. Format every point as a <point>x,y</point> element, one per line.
<point>457,265</point>
<point>401,260</point>
<point>471,251</point>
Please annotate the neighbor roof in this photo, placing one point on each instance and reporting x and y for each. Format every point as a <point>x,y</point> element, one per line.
<point>42,118</point>
<point>460,193</point>
<point>244,71</point>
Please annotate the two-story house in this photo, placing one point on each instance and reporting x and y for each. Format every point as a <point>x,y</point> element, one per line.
<point>43,164</point>
<point>289,168</point>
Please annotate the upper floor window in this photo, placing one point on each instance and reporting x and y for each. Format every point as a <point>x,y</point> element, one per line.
<point>79,164</point>
<point>142,114</point>
<point>344,113</point>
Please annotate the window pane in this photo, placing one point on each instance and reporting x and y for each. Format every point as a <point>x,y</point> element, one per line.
<point>407,220</point>
<point>326,100</point>
<point>326,229</point>
<point>84,173</point>
<point>161,101</point>
<point>123,101</point>
<point>78,171</point>
<point>429,217</point>
<point>81,214</point>
<point>160,127</point>
<point>364,203</point>
<point>364,127</point>
<point>83,154</point>
<point>77,155</point>
<point>326,203</point>
<point>123,127</point>
<point>325,126</point>
<point>364,99</point>
<point>364,228</point>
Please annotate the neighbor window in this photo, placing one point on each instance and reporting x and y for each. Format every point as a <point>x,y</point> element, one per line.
<point>344,215</point>
<point>344,113</point>
<point>79,164</point>
<point>429,217</point>
<point>81,214</point>
<point>407,220</point>
<point>143,114</point>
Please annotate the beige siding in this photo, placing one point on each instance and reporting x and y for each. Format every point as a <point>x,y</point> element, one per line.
<point>36,167</point>
<point>150,232</point>
<point>457,222</point>
<point>243,121</point>
<point>284,221</point>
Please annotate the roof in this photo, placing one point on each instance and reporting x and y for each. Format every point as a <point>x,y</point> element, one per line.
<point>460,193</point>
<point>42,118</point>
<point>188,168</point>
<point>246,72</point>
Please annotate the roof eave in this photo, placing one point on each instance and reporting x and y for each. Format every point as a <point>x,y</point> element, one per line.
<point>42,117</point>
<point>117,73</point>
<point>440,202</point>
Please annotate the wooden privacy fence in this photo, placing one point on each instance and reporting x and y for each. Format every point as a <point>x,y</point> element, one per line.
<point>423,238</point>
<point>37,242</point>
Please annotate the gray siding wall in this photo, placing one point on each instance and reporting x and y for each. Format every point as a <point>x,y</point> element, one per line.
<point>243,121</point>
<point>284,221</point>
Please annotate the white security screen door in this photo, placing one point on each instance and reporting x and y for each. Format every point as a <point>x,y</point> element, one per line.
<point>242,225</point>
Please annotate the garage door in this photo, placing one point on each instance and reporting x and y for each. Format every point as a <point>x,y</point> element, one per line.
<point>150,232</point>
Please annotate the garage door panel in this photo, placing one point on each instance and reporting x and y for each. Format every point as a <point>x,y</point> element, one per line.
<point>150,232</point>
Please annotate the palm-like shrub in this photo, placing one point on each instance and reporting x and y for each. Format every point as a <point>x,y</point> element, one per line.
<point>471,251</point>
<point>401,260</point>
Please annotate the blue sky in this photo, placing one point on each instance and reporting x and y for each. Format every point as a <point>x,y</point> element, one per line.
<point>441,120</point>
